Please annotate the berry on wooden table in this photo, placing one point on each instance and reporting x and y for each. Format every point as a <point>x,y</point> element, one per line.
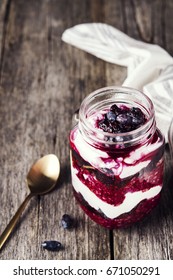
<point>67,221</point>
<point>52,245</point>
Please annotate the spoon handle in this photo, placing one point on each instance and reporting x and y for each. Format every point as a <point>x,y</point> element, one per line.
<point>9,228</point>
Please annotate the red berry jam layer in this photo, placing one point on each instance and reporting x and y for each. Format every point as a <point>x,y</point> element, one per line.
<point>117,188</point>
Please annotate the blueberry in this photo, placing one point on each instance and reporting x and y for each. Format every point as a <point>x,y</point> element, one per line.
<point>137,121</point>
<point>124,119</point>
<point>111,116</point>
<point>114,108</point>
<point>136,111</point>
<point>121,119</point>
<point>138,117</point>
<point>67,222</point>
<point>52,245</point>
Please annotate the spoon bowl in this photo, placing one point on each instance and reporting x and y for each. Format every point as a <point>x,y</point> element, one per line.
<point>43,175</point>
<point>41,179</point>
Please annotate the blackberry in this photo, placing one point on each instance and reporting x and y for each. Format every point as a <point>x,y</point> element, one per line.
<point>137,116</point>
<point>136,111</point>
<point>52,245</point>
<point>67,221</point>
<point>137,121</point>
<point>124,119</point>
<point>103,125</point>
<point>107,177</point>
<point>114,108</point>
<point>111,116</point>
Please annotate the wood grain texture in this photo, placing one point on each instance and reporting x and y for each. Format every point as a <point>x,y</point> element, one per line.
<point>43,81</point>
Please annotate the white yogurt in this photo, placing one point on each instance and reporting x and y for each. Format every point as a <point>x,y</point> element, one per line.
<point>131,200</point>
<point>101,160</point>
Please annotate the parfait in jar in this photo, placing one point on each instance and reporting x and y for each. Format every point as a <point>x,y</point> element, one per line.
<point>117,157</point>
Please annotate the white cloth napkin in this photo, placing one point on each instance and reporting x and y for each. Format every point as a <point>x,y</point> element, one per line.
<point>149,67</point>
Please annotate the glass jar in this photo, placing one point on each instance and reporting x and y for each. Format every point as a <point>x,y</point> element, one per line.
<point>117,177</point>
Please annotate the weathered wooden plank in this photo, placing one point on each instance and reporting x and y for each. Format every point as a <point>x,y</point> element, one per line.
<point>4,13</point>
<point>43,82</point>
<point>150,239</point>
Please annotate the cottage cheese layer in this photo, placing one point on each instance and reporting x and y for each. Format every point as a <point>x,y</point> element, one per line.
<point>131,200</point>
<point>121,167</point>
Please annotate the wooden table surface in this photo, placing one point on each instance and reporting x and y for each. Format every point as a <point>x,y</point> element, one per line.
<point>42,82</point>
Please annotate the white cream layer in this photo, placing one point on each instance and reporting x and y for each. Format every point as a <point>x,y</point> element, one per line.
<point>101,160</point>
<point>131,199</point>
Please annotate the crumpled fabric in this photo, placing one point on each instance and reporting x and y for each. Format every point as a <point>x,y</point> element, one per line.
<point>149,67</point>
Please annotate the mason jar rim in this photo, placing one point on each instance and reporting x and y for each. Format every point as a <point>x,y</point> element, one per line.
<point>115,94</point>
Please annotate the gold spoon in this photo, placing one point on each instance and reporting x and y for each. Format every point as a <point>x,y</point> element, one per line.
<point>41,179</point>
